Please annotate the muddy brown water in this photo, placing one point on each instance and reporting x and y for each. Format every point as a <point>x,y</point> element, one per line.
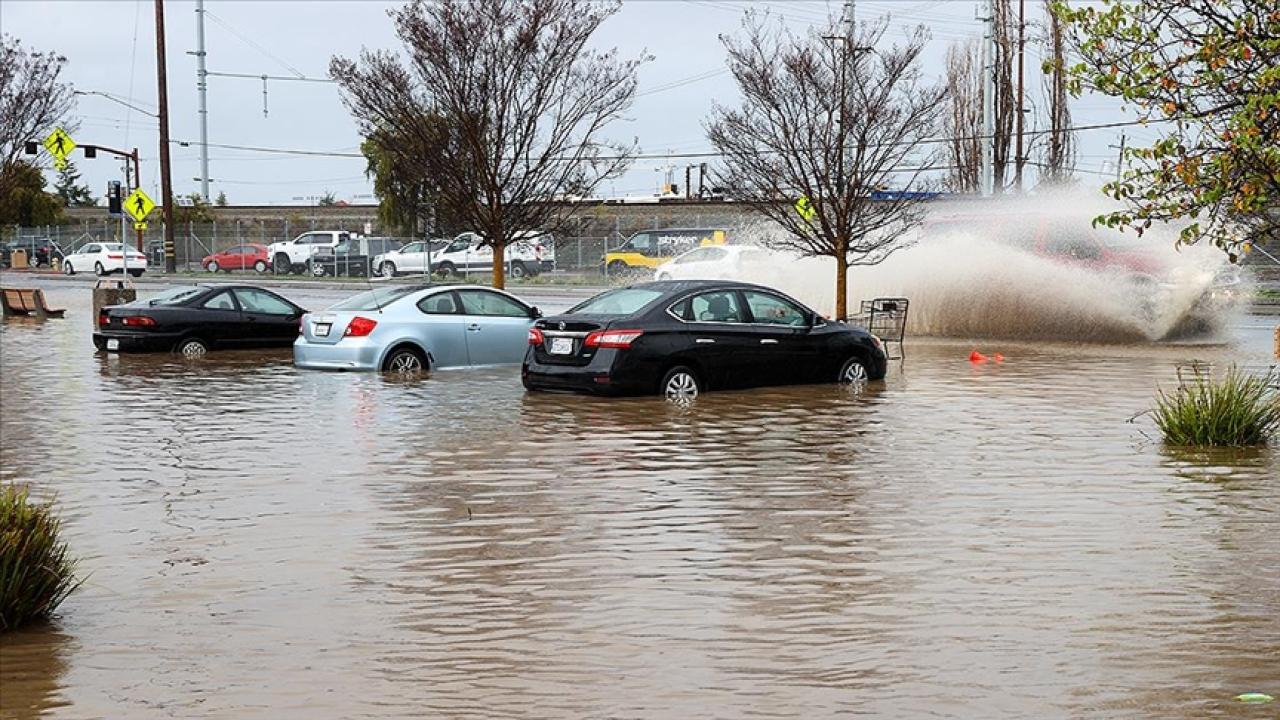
<point>959,541</point>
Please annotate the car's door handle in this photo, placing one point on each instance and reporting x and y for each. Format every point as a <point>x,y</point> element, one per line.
<point>705,341</point>
<point>768,341</point>
<point>473,327</point>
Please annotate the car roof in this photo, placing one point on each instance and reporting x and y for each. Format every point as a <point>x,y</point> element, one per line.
<point>683,285</point>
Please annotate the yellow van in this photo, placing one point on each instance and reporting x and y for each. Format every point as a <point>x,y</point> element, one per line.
<point>651,248</point>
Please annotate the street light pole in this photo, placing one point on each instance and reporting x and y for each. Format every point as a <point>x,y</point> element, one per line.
<point>162,97</point>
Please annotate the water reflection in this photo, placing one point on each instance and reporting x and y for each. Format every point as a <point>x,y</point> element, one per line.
<point>33,664</point>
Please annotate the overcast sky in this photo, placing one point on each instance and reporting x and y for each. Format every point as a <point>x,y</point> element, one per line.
<point>110,47</point>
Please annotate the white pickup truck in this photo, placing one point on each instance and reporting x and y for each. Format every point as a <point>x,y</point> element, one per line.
<point>295,255</point>
<point>534,253</point>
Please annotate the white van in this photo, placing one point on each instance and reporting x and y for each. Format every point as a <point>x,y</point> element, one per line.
<point>532,254</point>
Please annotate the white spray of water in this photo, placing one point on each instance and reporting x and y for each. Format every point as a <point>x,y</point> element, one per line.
<point>989,269</point>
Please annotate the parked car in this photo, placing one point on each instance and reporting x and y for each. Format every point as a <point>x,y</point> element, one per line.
<point>239,257</point>
<point>40,251</point>
<point>680,338</point>
<point>294,256</point>
<point>531,254</point>
<point>352,256</point>
<point>104,259</point>
<point>712,262</point>
<point>416,257</point>
<point>651,248</point>
<point>409,329</point>
<point>193,320</point>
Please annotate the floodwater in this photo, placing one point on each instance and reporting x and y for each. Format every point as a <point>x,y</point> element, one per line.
<point>959,541</point>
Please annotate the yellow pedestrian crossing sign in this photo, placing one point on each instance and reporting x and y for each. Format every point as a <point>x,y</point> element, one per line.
<point>806,210</point>
<point>139,205</point>
<point>59,144</point>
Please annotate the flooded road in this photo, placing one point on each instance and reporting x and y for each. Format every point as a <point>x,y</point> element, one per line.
<point>959,541</point>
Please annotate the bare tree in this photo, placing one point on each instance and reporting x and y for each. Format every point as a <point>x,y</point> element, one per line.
<point>963,117</point>
<point>521,99</point>
<point>802,133</point>
<point>1059,151</point>
<point>31,101</point>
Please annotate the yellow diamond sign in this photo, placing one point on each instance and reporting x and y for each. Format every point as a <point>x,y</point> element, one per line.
<point>139,205</point>
<point>59,144</point>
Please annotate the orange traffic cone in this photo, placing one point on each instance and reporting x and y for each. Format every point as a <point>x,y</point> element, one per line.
<point>977,357</point>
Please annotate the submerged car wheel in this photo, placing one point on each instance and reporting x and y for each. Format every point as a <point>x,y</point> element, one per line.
<point>192,348</point>
<point>405,362</point>
<point>853,372</point>
<point>680,385</point>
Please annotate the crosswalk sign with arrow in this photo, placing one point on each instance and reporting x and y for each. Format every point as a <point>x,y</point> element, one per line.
<point>138,205</point>
<point>59,144</point>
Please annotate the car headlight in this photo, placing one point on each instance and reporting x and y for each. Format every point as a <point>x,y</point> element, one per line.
<point>875,340</point>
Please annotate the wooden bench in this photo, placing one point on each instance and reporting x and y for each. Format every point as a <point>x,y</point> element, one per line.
<point>22,301</point>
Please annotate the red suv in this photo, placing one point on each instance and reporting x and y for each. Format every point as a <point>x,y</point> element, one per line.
<point>238,257</point>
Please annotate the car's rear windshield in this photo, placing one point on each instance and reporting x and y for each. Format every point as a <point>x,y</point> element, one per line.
<point>375,299</point>
<point>176,296</point>
<point>623,301</point>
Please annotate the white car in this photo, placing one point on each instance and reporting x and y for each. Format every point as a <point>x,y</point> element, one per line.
<point>712,262</point>
<point>104,258</point>
<point>530,254</point>
<point>412,258</point>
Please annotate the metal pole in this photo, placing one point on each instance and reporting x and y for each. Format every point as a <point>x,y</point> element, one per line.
<point>1018,159</point>
<point>202,88</point>
<point>988,103</point>
<point>162,98</point>
<point>137,177</point>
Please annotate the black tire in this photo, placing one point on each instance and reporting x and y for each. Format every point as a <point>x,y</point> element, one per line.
<point>99,270</point>
<point>387,269</point>
<point>405,361</point>
<point>617,268</point>
<point>67,269</point>
<point>854,371</point>
<point>260,266</point>
<point>446,269</point>
<point>192,347</point>
<point>318,269</point>
<point>681,384</point>
<point>663,276</point>
<point>303,269</point>
<point>518,270</point>
<point>136,273</point>
<point>282,265</point>
<point>212,266</point>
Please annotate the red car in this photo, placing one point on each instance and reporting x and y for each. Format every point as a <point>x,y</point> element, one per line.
<point>238,257</point>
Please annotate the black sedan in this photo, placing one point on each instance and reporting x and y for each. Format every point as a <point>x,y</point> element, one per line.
<point>680,338</point>
<point>194,320</point>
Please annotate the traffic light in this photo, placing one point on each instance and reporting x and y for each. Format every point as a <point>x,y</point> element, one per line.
<point>90,151</point>
<point>114,198</point>
<point>33,148</point>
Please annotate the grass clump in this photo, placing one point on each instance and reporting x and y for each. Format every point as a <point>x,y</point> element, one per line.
<point>36,570</point>
<point>1237,410</point>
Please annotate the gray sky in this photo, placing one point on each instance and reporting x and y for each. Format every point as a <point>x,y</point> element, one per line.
<point>110,46</point>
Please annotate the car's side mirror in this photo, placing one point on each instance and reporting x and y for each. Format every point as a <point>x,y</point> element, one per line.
<point>535,313</point>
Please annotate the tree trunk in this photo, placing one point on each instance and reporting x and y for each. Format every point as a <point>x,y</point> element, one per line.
<point>499,265</point>
<point>842,288</point>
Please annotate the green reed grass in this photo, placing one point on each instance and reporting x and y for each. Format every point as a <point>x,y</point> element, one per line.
<point>36,570</point>
<point>1237,410</point>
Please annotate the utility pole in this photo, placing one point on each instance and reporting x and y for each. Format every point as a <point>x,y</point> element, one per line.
<point>202,88</point>
<point>1018,160</point>
<point>162,98</point>
<point>989,102</point>
<point>1120,159</point>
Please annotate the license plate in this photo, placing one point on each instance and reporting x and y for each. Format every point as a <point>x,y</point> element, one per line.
<point>113,344</point>
<point>561,346</point>
<point>322,329</point>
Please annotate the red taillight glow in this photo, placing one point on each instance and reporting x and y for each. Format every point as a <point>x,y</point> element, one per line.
<point>115,256</point>
<point>138,321</point>
<point>360,327</point>
<point>536,337</point>
<point>103,318</point>
<point>619,339</point>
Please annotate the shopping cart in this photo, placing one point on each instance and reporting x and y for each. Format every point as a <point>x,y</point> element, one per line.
<point>886,318</point>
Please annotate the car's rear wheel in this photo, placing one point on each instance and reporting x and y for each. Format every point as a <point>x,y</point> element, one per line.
<point>680,385</point>
<point>518,270</point>
<point>260,266</point>
<point>99,270</point>
<point>213,266</point>
<point>192,348</point>
<point>853,372</point>
<point>446,269</point>
<point>67,269</point>
<point>405,362</point>
<point>136,273</point>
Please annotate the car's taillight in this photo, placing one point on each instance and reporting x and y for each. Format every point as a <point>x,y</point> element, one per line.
<point>138,321</point>
<point>360,327</point>
<point>619,339</point>
<point>103,318</point>
<point>115,256</point>
<point>536,337</point>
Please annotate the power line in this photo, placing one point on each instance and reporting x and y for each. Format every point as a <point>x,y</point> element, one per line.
<point>253,44</point>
